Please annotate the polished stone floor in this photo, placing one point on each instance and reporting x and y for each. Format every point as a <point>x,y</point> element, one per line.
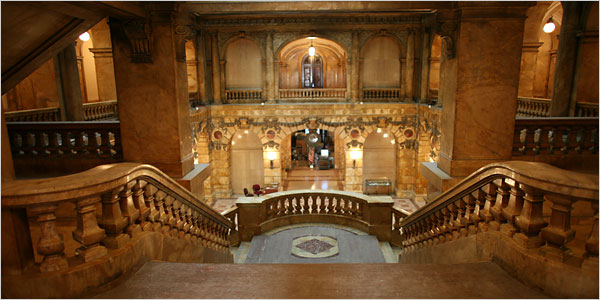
<point>314,244</point>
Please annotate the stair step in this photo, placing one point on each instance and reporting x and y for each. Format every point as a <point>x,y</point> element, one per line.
<point>186,280</point>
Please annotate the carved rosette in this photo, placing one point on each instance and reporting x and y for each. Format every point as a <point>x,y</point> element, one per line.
<point>139,34</point>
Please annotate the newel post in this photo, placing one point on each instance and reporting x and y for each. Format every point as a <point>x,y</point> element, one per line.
<point>87,232</point>
<point>252,212</point>
<point>51,244</point>
<point>380,217</point>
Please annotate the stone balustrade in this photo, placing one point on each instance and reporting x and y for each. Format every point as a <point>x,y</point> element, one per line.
<point>511,198</point>
<point>370,214</point>
<point>243,96</point>
<point>381,94</point>
<point>583,109</point>
<point>97,111</point>
<point>56,140</point>
<point>113,203</point>
<point>533,107</point>
<point>33,115</point>
<point>317,93</point>
<point>555,138</point>
<point>233,215</point>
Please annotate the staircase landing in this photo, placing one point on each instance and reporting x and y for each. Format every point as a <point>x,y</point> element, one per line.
<point>180,280</point>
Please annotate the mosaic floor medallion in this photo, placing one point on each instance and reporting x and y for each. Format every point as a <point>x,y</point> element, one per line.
<point>315,246</point>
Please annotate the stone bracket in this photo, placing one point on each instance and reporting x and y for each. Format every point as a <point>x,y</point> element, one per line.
<point>139,35</point>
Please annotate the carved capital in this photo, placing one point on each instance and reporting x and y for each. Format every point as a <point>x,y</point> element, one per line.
<point>139,35</point>
<point>447,31</point>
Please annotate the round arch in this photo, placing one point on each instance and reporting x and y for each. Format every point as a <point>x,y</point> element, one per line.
<point>246,168</point>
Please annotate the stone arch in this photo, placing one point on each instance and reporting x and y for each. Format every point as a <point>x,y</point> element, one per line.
<point>243,53</point>
<point>381,61</point>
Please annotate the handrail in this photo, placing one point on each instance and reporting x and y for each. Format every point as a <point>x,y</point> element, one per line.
<point>133,197</point>
<point>509,197</point>
<point>316,93</point>
<point>533,107</point>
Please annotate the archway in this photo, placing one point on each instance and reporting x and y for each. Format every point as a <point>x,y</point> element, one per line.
<point>313,149</point>
<point>379,156</point>
<point>292,56</point>
<point>247,167</point>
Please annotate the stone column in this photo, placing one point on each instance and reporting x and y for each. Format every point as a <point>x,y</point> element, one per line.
<point>103,58</point>
<point>269,55</point>
<point>425,62</point>
<point>528,64</point>
<point>410,64</point>
<point>277,71</point>
<point>566,62</point>
<point>216,74</point>
<point>355,64</point>
<point>481,56</point>
<point>200,67</point>
<point>69,90</point>
<point>349,70</point>
<point>154,111</point>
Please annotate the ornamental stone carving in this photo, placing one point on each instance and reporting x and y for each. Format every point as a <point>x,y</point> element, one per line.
<point>139,35</point>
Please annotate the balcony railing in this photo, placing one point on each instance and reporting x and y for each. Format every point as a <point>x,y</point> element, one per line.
<point>243,96</point>
<point>539,107</point>
<point>524,210</point>
<point>33,115</point>
<point>381,94</point>
<point>63,147</point>
<point>533,107</point>
<point>559,136</point>
<point>371,214</point>
<point>94,226</point>
<point>98,111</point>
<point>312,94</point>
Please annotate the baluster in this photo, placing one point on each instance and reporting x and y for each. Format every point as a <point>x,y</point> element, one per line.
<point>169,219</point>
<point>502,197</point>
<point>590,258</point>
<point>175,221</point>
<point>587,143</point>
<point>53,145</point>
<point>457,212</point>
<point>51,244</point>
<point>187,224</point>
<point>128,209</point>
<point>140,204</point>
<point>559,232</point>
<point>313,204</point>
<point>354,208</point>
<point>442,226</point>
<point>79,147</point>
<point>329,205</point>
<point>87,232</point>
<point>529,143</point>
<point>113,220</point>
<point>322,205</point>
<point>161,216</point>
<point>558,144</point>
<point>270,209</point>
<point>518,148</point>
<point>485,214</point>
<point>203,231</point>
<point>280,207</point>
<point>359,210</point>
<point>530,221</point>
<point>289,205</point>
<point>153,214</point>
<point>512,209</point>
<point>572,144</point>
<point>40,144</point>
<point>447,225</point>
<point>475,202</point>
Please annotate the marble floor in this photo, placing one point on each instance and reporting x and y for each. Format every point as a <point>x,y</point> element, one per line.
<point>306,178</point>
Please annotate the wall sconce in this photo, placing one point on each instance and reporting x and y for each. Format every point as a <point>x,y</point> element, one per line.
<point>549,26</point>
<point>354,155</point>
<point>271,156</point>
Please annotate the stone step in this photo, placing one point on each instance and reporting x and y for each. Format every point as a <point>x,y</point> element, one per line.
<point>186,280</point>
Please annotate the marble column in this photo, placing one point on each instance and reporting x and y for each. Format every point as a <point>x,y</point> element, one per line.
<point>349,70</point>
<point>426,53</point>
<point>103,59</point>
<point>410,65</point>
<point>269,56</point>
<point>216,74</point>
<point>563,100</point>
<point>277,71</point>
<point>355,64</point>
<point>69,90</point>
<point>154,110</point>
<point>528,64</point>
<point>481,57</point>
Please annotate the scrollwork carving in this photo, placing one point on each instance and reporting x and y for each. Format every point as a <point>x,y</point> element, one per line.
<point>139,35</point>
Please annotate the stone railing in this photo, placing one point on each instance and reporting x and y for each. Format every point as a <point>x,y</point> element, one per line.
<point>111,208</point>
<point>33,115</point>
<point>370,214</point>
<point>67,146</point>
<point>232,214</point>
<point>381,94</point>
<point>583,109</point>
<point>243,96</point>
<point>569,143</point>
<point>530,205</point>
<point>317,93</point>
<point>97,111</point>
<point>533,107</point>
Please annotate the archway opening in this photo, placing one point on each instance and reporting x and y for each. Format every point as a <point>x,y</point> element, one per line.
<point>313,149</point>
<point>379,156</point>
<point>247,166</point>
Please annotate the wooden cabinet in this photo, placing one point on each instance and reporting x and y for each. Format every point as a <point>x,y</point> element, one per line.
<point>380,186</point>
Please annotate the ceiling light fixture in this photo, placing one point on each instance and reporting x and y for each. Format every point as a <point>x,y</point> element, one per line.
<point>84,36</point>
<point>311,49</point>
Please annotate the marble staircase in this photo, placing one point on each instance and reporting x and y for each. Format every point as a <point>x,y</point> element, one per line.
<point>325,281</point>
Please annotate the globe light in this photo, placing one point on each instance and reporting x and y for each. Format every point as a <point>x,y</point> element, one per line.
<point>311,50</point>
<point>549,26</point>
<point>84,36</point>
